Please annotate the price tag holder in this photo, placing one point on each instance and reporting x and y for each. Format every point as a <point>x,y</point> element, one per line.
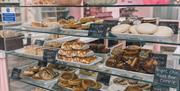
<point>39,42</point>
<point>103,78</point>
<point>16,74</point>
<point>161,58</point>
<point>98,30</point>
<point>173,25</point>
<point>93,89</point>
<point>49,55</point>
<point>166,77</point>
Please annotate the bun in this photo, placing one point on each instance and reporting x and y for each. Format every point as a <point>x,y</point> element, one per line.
<point>164,31</point>
<point>121,28</point>
<point>146,28</point>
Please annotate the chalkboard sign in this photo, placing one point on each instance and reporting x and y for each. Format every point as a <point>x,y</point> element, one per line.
<point>166,76</point>
<point>98,30</point>
<point>160,88</point>
<point>173,25</point>
<point>42,63</point>
<point>161,58</point>
<point>39,42</point>
<point>16,74</point>
<point>49,55</point>
<point>93,89</point>
<point>103,78</point>
<point>110,23</point>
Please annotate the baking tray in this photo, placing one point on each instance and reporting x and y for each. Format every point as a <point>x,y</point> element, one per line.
<point>99,59</point>
<point>131,74</point>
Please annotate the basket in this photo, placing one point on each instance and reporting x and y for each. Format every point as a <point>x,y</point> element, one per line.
<point>11,43</point>
<point>69,2</point>
<point>100,2</point>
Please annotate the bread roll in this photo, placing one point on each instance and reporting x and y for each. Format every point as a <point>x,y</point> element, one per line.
<point>133,30</point>
<point>146,28</point>
<point>121,28</point>
<point>164,31</point>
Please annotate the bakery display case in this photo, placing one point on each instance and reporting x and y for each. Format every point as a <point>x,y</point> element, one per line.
<point>94,54</point>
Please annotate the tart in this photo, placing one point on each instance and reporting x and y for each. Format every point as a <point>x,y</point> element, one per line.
<point>86,83</point>
<point>133,88</point>
<point>67,76</point>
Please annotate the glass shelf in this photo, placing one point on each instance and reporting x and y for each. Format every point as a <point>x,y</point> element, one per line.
<point>99,67</point>
<point>173,40</point>
<point>135,5</point>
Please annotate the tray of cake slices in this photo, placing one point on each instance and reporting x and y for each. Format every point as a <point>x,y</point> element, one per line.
<point>77,52</point>
<point>133,61</point>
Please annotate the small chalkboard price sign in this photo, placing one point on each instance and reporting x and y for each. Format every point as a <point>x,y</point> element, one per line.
<point>16,74</point>
<point>39,42</point>
<point>50,55</point>
<point>93,89</point>
<point>103,78</point>
<point>166,77</point>
<point>98,30</point>
<point>161,58</point>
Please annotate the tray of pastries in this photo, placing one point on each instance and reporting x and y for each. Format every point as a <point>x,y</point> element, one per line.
<point>31,50</point>
<point>123,84</point>
<point>43,26</point>
<point>78,53</point>
<point>44,2</point>
<point>82,24</point>
<point>134,61</point>
<point>57,43</point>
<point>40,74</point>
<point>143,30</point>
<point>71,81</point>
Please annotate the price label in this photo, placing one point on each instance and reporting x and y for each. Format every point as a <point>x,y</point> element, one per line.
<point>93,89</point>
<point>16,74</point>
<point>8,14</point>
<point>161,58</point>
<point>103,78</point>
<point>160,88</point>
<point>173,25</point>
<point>167,77</point>
<point>98,30</point>
<point>39,42</point>
<point>50,55</point>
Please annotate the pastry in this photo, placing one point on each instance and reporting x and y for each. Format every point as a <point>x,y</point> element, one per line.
<point>78,89</point>
<point>150,66</point>
<point>144,86</point>
<point>86,83</point>
<point>121,28</point>
<point>146,28</point>
<point>111,62</point>
<point>133,82</point>
<point>98,85</point>
<point>28,73</point>
<point>164,31</point>
<point>79,46</point>
<point>64,84</point>
<point>47,74</point>
<point>74,82</point>
<point>120,81</point>
<point>133,88</point>
<point>67,76</point>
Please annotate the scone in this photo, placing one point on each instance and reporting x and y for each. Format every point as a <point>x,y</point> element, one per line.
<point>146,28</point>
<point>164,31</point>
<point>120,28</point>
